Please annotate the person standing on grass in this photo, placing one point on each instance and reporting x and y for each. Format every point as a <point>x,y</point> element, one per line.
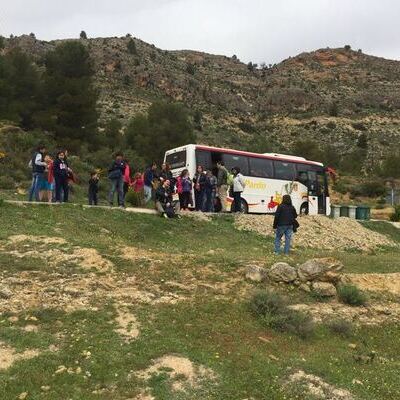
<point>285,223</point>
<point>137,186</point>
<point>38,166</point>
<point>238,186</point>
<point>47,183</point>
<point>164,203</point>
<point>61,176</point>
<point>199,181</point>
<point>93,188</point>
<point>149,176</point>
<point>184,189</point>
<point>222,184</point>
<point>210,189</point>
<point>116,177</point>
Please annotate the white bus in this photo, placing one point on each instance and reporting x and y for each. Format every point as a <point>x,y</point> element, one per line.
<point>268,177</point>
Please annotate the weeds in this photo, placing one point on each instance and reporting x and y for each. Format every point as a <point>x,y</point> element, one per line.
<point>273,311</point>
<point>341,327</point>
<point>351,295</point>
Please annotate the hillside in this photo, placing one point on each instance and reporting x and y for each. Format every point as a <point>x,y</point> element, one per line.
<point>108,304</point>
<point>339,97</point>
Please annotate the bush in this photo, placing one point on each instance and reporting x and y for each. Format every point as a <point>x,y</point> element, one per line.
<point>6,182</point>
<point>272,310</point>
<point>395,217</point>
<point>134,199</point>
<point>351,295</point>
<point>340,327</point>
<point>369,189</point>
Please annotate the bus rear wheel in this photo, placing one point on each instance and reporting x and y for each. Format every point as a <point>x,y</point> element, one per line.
<point>244,208</point>
<point>304,209</point>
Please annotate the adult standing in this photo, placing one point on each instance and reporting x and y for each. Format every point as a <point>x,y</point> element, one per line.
<point>149,176</point>
<point>116,177</point>
<point>38,165</point>
<point>199,181</point>
<point>210,192</point>
<point>61,175</point>
<point>238,186</point>
<point>222,184</point>
<point>47,186</point>
<point>285,223</point>
<point>184,189</point>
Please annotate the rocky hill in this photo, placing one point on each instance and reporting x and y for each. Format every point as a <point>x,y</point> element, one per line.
<point>338,96</point>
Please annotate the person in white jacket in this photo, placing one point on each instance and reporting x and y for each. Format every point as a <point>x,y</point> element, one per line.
<point>238,187</point>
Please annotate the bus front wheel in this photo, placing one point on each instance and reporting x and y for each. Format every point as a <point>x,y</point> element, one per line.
<point>304,209</point>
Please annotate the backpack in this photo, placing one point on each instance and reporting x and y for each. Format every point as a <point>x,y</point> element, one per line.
<point>170,211</point>
<point>229,179</point>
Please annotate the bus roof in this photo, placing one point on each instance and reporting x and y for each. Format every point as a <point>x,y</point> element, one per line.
<point>270,156</point>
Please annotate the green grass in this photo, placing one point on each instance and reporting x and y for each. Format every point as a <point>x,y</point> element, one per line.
<point>211,327</point>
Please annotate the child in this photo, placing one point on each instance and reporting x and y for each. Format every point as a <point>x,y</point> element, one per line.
<point>47,182</point>
<point>93,188</point>
<point>61,172</point>
<point>210,192</point>
<point>138,187</point>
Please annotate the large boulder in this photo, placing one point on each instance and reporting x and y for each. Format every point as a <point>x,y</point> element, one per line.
<point>255,273</point>
<point>320,269</point>
<point>282,272</point>
<point>324,289</point>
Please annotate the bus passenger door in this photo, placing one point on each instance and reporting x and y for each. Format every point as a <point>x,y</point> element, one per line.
<point>316,192</point>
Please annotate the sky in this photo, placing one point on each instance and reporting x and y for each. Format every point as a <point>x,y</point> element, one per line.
<point>255,30</point>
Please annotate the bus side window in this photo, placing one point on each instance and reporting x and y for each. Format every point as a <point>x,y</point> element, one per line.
<point>203,158</point>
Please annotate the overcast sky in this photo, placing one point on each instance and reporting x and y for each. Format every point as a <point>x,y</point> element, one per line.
<point>254,30</point>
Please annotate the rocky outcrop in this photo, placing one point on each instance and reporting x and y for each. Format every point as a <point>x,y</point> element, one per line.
<point>282,272</point>
<point>321,269</point>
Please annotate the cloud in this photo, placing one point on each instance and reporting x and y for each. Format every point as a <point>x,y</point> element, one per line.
<point>257,30</point>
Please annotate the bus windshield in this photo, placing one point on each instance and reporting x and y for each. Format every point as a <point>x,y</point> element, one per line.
<point>176,160</point>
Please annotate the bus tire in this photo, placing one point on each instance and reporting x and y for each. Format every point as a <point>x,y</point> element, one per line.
<point>243,206</point>
<point>304,209</point>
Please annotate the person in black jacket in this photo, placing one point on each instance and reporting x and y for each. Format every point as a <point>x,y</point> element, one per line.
<point>164,202</point>
<point>93,188</point>
<point>285,220</point>
<point>199,181</point>
<point>116,177</point>
<point>61,172</point>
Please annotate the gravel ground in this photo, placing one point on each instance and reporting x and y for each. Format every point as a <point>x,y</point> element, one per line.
<point>320,232</point>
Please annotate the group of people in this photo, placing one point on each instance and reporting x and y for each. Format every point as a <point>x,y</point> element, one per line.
<point>51,178</point>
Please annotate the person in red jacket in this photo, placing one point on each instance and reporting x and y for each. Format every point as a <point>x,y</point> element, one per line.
<point>47,184</point>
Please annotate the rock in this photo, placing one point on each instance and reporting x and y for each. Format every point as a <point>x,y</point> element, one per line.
<point>320,269</point>
<point>352,346</point>
<point>305,288</point>
<point>45,388</point>
<point>324,289</point>
<point>282,272</point>
<point>23,396</point>
<point>256,273</point>
<point>5,292</point>
<point>61,369</point>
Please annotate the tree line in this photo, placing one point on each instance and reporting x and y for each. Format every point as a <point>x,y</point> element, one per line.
<point>57,95</point>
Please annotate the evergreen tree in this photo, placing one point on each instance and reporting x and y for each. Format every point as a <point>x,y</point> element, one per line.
<point>166,126</point>
<point>132,47</point>
<point>71,100</point>
<point>83,35</point>
<point>20,88</point>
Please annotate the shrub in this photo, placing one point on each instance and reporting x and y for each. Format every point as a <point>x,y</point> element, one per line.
<point>134,199</point>
<point>371,188</point>
<point>190,69</point>
<point>340,327</point>
<point>272,310</point>
<point>395,217</point>
<point>6,182</point>
<point>351,295</point>
<point>131,46</point>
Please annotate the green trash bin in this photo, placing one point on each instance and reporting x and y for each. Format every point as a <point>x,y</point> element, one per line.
<point>363,213</point>
<point>344,211</point>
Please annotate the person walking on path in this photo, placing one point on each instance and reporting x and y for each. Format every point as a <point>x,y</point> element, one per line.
<point>222,184</point>
<point>116,177</point>
<point>199,181</point>
<point>285,223</point>
<point>93,188</point>
<point>149,176</point>
<point>238,186</point>
<point>61,174</point>
<point>38,166</point>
